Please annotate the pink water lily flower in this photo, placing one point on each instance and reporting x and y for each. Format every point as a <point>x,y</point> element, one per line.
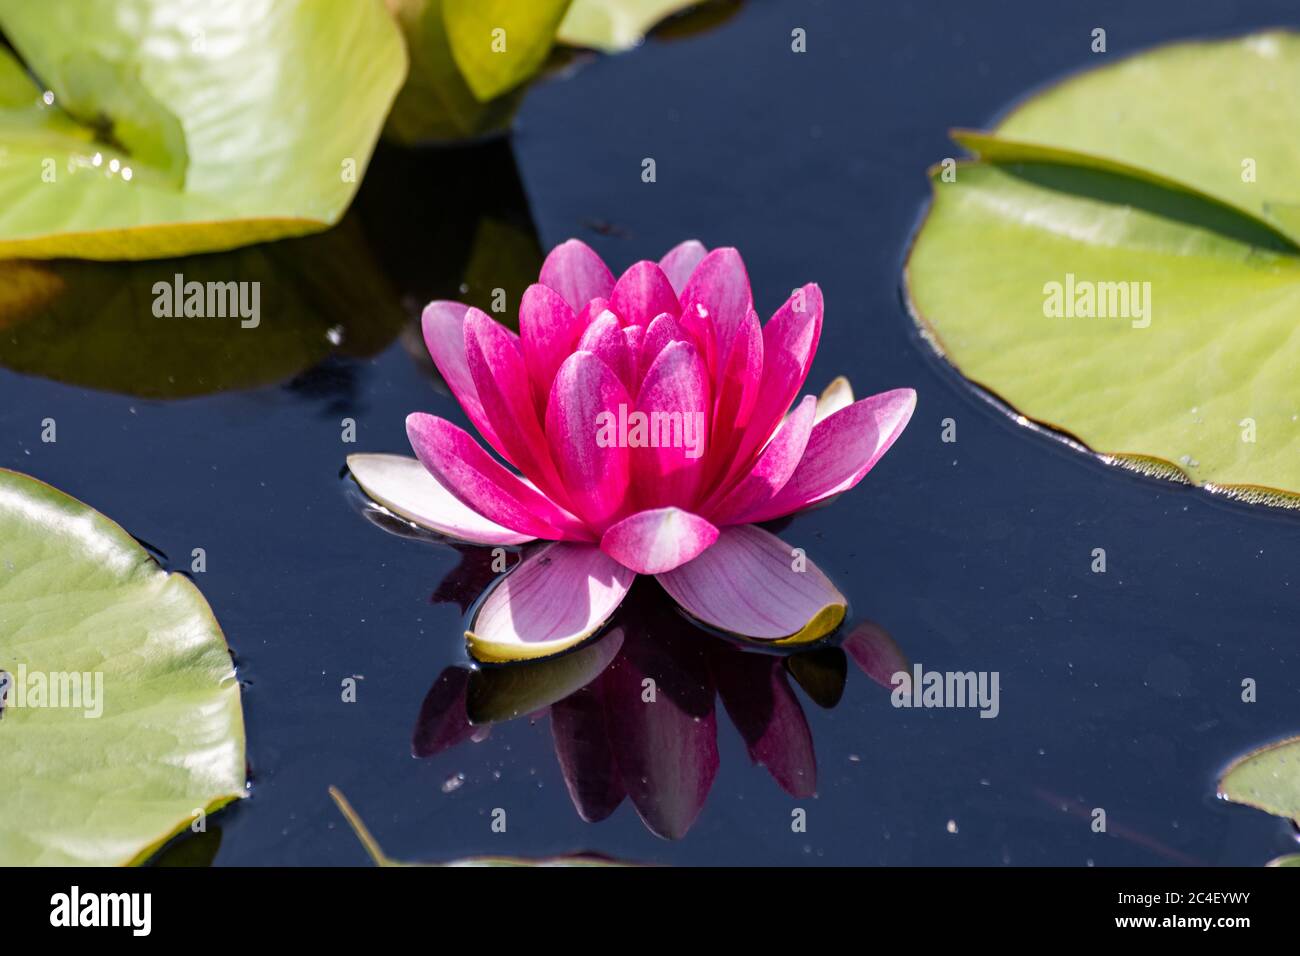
<point>648,427</point>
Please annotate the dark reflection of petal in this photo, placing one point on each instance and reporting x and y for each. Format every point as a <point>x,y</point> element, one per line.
<point>821,673</point>
<point>513,690</point>
<point>443,723</point>
<point>583,750</point>
<point>764,709</point>
<point>666,746</point>
<point>466,582</point>
<point>873,650</point>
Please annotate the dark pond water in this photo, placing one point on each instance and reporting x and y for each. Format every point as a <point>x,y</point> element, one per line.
<point>1118,690</point>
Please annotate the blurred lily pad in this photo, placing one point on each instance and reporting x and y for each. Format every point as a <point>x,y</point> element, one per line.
<point>122,718</point>
<point>286,306</point>
<point>147,129</point>
<point>1121,298</point>
<point>1267,779</point>
<point>458,88</point>
<point>613,26</point>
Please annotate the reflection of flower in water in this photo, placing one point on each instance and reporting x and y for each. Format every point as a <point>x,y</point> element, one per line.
<point>633,714</point>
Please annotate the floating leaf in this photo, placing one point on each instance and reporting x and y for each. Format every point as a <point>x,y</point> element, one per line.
<point>1152,321</point>
<point>95,324</point>
<point>154,732</point>
<point>381,858</point>
<point>1217,117</point>
<point>498,44</point>
<point>436,103</point>
<point>1267,779</point>
<point>615,25</point>
<point>183,129</point>
<point>1289,860</point>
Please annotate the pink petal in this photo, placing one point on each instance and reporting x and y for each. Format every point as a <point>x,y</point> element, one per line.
<point>680,261</point>
<point>667,748</point>
<point>634,335</point>
<point>604,338</point>
<point>776,463</point>
<point>548,331</point>
<point>641,293</point>
<point>668,465</point>
<point>720,286</point>
<point>661,539</point>
<point>497,364</point>
<point>581,426</point>
<point>579,275</point>
<point>875,652</point>
<point>749,583</point>
<point>555,598</point>
<point>739,380</point>
<point>662,330</point>
<point>480,482</point>
<point>405,487</point>
<point>843,447</point>
<point>757,695</point>
<point>443,324</point>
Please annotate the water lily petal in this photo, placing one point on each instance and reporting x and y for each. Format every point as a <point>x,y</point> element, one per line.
<point>557,597</point>
<point>657,540</point>
<point>496,362</point>
<point>757,695</point>
<point>841,450</point>
<point>666,748</point>
<point>719,285</point>
<point>443,325</point>
<point>643,292</point>
<point>749,583</point>
<point>582,428</point>
<point>776,463</point>
<point>739,379</point>
<point>604,338</point>
<point>584,752</point>
<point>405,487</point>
<point>577,273</point>
<point>680,261</point>
<point>499,694</point>
<point>662,330</point>
<point>838,394</point>
<point>668,457</point>
<point>483,484</point>
<point>548,331</point>
<point>876,653</point>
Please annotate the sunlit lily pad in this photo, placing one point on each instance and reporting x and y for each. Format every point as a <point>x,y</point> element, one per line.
<point>175,129</point>
<point>1268,779</point>
<point>1189,369</point>
<point>149,730</point>
<point>1218,117</point>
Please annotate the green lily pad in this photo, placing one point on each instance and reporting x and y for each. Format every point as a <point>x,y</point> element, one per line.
<point>1218,117</point>
<point>149,729</point>
<point>159,131</point>
<point>613,26</point>
<point>96,325</point>
<point>436,103</point>
<point>1292,859</point>
<point>498,44</point>
<point>1267,779</point>
<point>1192,375</point>
<point>381,858</point>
